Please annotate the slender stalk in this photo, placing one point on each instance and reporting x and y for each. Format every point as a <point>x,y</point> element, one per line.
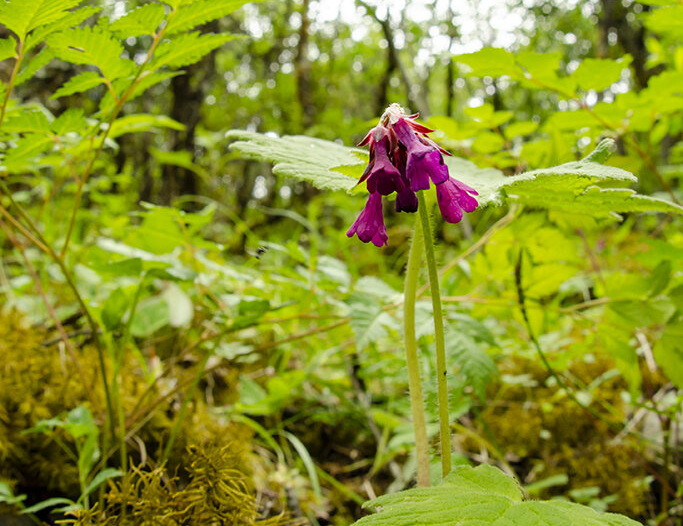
<point>441,371</point>
<point>414,382</point>
<point>12,79</point>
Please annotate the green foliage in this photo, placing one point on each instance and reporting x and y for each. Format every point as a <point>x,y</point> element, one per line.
<point>481,495</point>
<point>306,158</point>
<point>569,187</point>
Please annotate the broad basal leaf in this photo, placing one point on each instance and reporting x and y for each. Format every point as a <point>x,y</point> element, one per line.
<point>305,158</point>
<point>92,46</point>
<point>197,13</point>
<point>22,16</point>
<point>480,496</point>
<point>571,187</point>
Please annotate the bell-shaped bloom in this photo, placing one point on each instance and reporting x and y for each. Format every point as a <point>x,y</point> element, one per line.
<point>425,161</point>
<point>369,226</point>
<point>382,176</point>
<point>403,159</point>
<point>454,197</point>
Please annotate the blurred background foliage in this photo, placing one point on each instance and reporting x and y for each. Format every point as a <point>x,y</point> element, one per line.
<point>233,309</point>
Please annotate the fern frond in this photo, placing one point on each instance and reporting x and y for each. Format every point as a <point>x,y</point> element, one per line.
<point>72,19</point>
<point>72,120</point>
<point>31,121</point>
<point>31,66</point>
<point>92,46</point>
<point>148,81</point>
<point>200,12</point>
<point>8,48</point>
<point>141,21</point>
<point>78,83</point>
<point>187,49</point>
<point>475,364</point>
<point>23,16</point>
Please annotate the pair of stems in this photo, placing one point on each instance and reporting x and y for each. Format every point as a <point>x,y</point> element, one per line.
<point>423,243</point>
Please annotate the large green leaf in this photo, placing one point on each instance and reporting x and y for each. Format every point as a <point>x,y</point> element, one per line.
<point>305,158</point>
<point>481,496</point>
<point>571,187</point>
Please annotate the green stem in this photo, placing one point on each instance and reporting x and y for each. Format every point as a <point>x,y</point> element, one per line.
<point>441,371</point>
<point>414,383</point>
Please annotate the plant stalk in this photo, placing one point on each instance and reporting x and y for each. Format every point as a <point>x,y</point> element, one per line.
<point>414,382</point>
<point>441,370</point>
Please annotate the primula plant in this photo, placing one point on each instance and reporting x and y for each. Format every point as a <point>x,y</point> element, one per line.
<point>188,336</point>
<point>403,160</point>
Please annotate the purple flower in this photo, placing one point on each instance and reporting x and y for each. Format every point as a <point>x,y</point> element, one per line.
<point>425,161</point>
<point>454,197</point>
<point>369,226</point>
<point>404,160</point>
<point>382,175</point>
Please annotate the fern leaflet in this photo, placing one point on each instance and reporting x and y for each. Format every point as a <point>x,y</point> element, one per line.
<point>198,13</point>
<point>141,21</point>
<point>92,46</point>
<point>187,49</point>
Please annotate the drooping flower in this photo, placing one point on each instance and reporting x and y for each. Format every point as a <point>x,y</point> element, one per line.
<point>403,159</point>
<point>369,225</point>
<point>454,197</point>
<point>425,161</point>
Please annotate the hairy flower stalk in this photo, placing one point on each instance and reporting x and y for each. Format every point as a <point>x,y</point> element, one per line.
<point>404,160</point>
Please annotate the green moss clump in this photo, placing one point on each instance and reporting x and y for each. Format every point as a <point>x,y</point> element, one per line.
<point>36,383</point>
<point>211,492</point>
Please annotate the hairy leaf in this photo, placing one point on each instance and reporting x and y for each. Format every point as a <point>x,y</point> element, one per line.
<point>570,187</point>
<point>480,496</point>
<point>305,158</point>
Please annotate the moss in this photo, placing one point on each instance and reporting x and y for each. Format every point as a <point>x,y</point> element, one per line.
<point>211,492</point>
<point>208,480</point>
<point>37,383</point>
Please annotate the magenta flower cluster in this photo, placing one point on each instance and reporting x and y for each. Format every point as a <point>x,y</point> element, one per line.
<point>404,160</point>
